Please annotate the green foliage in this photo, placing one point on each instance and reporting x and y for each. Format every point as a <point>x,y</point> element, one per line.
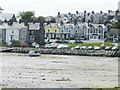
<point>57,38</point>
<point>52,20</point>
<point>39,19</point>
<point>88,44</point>
<point>116,25</point>
<point>2,43</point>
<point>16,43</point>
<point>26,16</point>
<point>70,38</point>
<point>119,46</point>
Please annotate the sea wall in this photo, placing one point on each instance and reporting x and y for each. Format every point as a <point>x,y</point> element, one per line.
<point>109,53</point>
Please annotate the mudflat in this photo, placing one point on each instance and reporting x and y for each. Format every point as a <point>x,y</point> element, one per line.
<point>57,71</point>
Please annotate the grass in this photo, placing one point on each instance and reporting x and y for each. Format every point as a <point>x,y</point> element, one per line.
<point>119,46</point>
<point>88,44</point>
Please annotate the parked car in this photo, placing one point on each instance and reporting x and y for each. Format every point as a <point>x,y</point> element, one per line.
<point>108,48</point>
<point>90,47</point>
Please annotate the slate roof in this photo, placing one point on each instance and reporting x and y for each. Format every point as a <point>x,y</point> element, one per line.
<point>35,26</point>
<point>114,31</point>
<point>14,26</point>
<point>6,16</point>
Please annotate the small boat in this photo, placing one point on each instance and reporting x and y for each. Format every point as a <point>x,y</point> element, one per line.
<point>34,53</point>
<point>6,49</point>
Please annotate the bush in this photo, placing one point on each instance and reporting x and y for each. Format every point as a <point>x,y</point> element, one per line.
<point>16,43</point>
<point>57,38</point>
<point>70,38</point>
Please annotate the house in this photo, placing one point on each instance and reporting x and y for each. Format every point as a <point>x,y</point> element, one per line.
<point>52,31</point>
<point>36,33</point>
<point>114,35</point>
<point>78,32</point>
<point>13,32</point>
<point>65,18</point>
<point>95,31</point>
<point>66,31</point>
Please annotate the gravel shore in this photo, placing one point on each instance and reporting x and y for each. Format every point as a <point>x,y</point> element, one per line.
<point>58,71</point>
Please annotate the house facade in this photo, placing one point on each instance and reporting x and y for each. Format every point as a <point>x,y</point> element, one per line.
<point>114,35</point>
<point>13,32</point>
<point>52,31</point>
<point>94,31</point>
<point>35,33</point>
<point>66,31</point>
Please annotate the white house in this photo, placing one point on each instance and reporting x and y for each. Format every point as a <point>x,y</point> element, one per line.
<point>13,32</point>
<point>94,31</point>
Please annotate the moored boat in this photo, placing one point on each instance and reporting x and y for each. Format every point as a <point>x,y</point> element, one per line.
<point>34,53</point>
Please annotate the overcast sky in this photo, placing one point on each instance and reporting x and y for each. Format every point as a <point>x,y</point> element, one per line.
<point>51,7</point>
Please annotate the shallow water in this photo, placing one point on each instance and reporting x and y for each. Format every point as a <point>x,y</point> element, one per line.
<point>56,71</point>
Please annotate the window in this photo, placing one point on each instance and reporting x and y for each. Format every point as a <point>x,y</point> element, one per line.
<point>11,38</point>
<point>31,38</point>
<point>31,32</point>
<point>76,31</point>
<point>115,35</point>
<point>46,35</point>
<point>83,27</point>
<point>55,30</point>
<point>54,35</point>
<point>48,30</point>
<point>12,31</point>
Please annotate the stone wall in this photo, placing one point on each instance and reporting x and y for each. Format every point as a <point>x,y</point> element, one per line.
<point>109,53</point>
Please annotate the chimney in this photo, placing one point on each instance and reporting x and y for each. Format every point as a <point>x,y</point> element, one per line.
<point>101,12</point>
<point>109,11</point>
<point>76,12</point>
<point>92,12</point>
<point>85,11</point>
<point>58,13</point>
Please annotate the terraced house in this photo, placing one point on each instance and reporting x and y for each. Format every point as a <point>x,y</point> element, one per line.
<point>114,35</point>
<point>95,31</point>
<point>71,31</point>
<point>52,31</point>
<point>36,33</point>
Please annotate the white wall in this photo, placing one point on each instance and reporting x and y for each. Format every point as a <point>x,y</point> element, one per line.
<point>13,33</point>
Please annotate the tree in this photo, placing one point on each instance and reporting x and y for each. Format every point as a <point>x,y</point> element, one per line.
<point>26,16</point>
<point>39,19</point>
<point>52,20</point>
<point>16,43</point>
<point>116,25</point>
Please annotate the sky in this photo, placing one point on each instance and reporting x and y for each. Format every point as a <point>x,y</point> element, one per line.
<point>52,7</point>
